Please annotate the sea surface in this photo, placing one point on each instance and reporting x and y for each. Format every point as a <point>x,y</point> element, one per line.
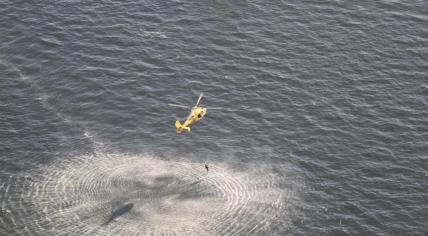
<point>323,126</point>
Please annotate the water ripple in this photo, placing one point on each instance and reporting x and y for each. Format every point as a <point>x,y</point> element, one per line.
<point>113,194</point>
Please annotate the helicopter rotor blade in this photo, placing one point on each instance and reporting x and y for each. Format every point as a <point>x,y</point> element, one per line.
<point>199,99</point>
<point>177,105</point>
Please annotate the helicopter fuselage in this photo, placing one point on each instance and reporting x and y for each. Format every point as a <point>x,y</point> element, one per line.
<point>196,114</point>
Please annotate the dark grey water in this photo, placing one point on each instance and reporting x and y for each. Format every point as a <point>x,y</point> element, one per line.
<point>324,132</point>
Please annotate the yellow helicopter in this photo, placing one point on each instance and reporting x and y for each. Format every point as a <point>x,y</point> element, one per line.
<point>196,113</point>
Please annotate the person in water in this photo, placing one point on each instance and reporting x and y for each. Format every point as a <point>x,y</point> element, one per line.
<point>206,167</point>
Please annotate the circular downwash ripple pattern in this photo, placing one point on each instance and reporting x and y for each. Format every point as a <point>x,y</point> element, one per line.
<point>143,195</point>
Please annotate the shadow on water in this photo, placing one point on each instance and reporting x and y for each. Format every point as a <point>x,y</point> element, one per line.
<point>162,187</point>
<point>119,212</point>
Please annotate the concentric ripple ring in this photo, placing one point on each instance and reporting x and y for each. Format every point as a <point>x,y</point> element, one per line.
<point>121,194</point>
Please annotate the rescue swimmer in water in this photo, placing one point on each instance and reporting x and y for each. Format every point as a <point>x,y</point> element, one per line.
<point>196,114</point>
